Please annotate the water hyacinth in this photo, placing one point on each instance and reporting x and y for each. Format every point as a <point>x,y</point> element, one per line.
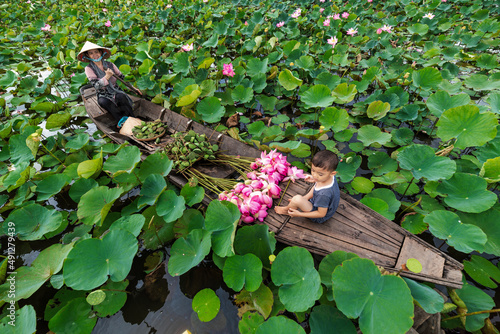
<point>254,196</point>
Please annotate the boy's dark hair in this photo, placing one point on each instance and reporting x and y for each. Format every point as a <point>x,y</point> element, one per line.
<point>326,159</point>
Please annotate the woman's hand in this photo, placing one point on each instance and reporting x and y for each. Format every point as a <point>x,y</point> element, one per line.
<point>138,91</point>
<point>109,73</point>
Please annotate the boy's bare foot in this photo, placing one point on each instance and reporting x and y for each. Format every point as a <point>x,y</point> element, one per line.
<point>282,210</point>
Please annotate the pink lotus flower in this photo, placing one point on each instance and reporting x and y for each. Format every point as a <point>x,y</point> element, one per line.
<point>46,27</point>
<point>228,70</point>
<point>274,190</point>
<point>443,0</point>
<point>187,47</point>
<point>379,31</point>
<point>280,24</point>
<point>326,23</point>
<point>205,1</point>
<point>429,16</point>
<point>169,6</point>
<point>332,41</point>
<point>108,23</point>
<point>321,0</point>
<point>370,1</point>
<point>72,75</point>
<point>246,23</point>
<point>104,10</point>
<point>28,1</point>
<point>247,219</point>
<point>297,13</point>
<point>321,10</point>
<point>345,15</point>
<point>294,174</point>
<point>336,16</point>
<point>352,32</point>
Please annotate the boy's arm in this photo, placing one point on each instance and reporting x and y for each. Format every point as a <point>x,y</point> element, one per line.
<point>320,213</point>
<point>309,195</point>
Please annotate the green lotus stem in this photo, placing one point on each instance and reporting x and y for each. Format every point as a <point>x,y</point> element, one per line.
<point>409,184</point>
<point>52,154</point>
<point>472,313</point>
<point>411,206</point>
<point>284,192</point>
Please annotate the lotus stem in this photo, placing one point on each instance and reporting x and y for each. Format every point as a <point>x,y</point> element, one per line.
<point>409,184</point>
<point>284,192</point>
<point>472,313</point>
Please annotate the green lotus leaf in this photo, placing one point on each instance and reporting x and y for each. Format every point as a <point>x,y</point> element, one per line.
<point>468,126</point>
<point>430,300</point>
<point>124,161</point>
<point>369,134</point>
<point>409,112</point>
<point>318,96</point>
<point>146,66</point>
<point>402,136</point>
<point>243,270</point>
<point>95,204</point>
<point>210,109</point>
<point>153,261</point>
<point>260,300</point>
<point>116,296</point>
<point>378,205</point>
<point>490,170</point>
<point>32,221</point>
<point>441,101</point>
<point>181,63</point>
<point>51,186</point>
<point>46,107</point>
<point>493,100</point>
<point>157,163</point>
<point>334,119</point>
<point>91,260</point>
<point>347,170</point>
<point>448,226</point>
<point>479,82</point>
<point>482,271</point>
<point>19,152</point>
<point>489,222</point>
<point>192,195</point>
<point>56,121</point>
<point>28,83</point>
<point>427,78</point>
<point>467,193</point>
<point>170,206</point>
<point>286,147</point>
<point>299,282</point>
<point>344,93</point>
<point>257,240</point>
<point>414,223</point>
<point>327,79</point>
<point>379,301</point>
<point>8,79</point>
<point>156,231</point>
<point>328,265</point>
<point>249,322</point>
<point>362,185</point>
<point>325,317</point>
<point>419,28</point>
<point>152,188</point>
<point>222,219</point>
<point>256,66</point>
<point>89,168</point>
<point>77,142</point>
<point>267,102</point>
<point>74,317</point>
<point>241,94</point>
<point>259,83</point>
<point>189,95</point>
<point>475,300</point>
<point>145,83</point>
<point>30,279</point>
<point>422,162</point>
<point>25,321</point>
<point>387,196</point>
<point>378,109</point>
<point>380,163</point>
<point>206,304</point>
<point>191,219</point>
<point>96,297</point>
<point>132,224</point>
<point>288,81</point>
<point>187,253</point>
<point>280,325</point>
<point>305,62</point>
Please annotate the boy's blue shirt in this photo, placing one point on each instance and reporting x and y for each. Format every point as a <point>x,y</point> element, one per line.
<point>328,197</point>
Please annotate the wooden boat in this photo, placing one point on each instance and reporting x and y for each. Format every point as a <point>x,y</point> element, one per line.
<point>354,228</point>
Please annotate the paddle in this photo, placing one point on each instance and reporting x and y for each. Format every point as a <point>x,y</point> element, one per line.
<point>129,86</point>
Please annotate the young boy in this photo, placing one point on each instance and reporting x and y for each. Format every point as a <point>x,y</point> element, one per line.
<point>322,201</point>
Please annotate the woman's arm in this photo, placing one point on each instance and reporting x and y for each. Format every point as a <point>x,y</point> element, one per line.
<point>94,80</point>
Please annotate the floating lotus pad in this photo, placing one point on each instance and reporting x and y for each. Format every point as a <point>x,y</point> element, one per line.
<point>431,301</point>
<point>221,219</point>
<point>206,304</point>
<point>422,162</point>
<point>31,222</point>
<point>482,271</point>
<point>280,325</point>
<point>243,270</point>
<point>188,252</point>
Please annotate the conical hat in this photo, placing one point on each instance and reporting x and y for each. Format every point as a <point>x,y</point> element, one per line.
<point>91,46</point>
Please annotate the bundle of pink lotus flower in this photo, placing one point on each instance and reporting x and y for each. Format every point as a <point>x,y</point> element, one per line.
<point>254,196</point>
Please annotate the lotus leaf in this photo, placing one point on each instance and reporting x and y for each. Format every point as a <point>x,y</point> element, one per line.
<point>490,170</point>
<point>89,168</point>
<point>124,161</point>
<point>422,162</point>
<point>206,304</point>
<point>441,101</point>
<point>324,318</point>
<point>74,317</point>
<point>280,325</point>
<point>91,261</point>
<point>95,204</point>
<point>30,279</point>
<point>56,121</point>
<point>347,170</point>
<point>480,82</point>
<point>189,95</point>
<point>489,222</point>
<point>260,300</point>
<point>387,196</point>
<point>378,205</point>
<point>430,300</point>
<point>78,141</point>
<point>153,187</point>
<point>96,297</point>
<point>318,96</point>
<point>467,193</point>
<point>379,301</point>
<point>419,28</point>
<point>32,222</point>
<point>362,185</point>
<point>210,109</point>
<point>369,134</point>
<point>334,119</point>
<point>51,185</point>
<point>344,93</point>
<point>188,252</point>
<point>267,102</point>
<point>475,300</point>
<point>378,109</point>
<point>20,153</point>
<point>249,322</point>
<point>328,265</point>
<point>293,271</point>
<point>447,225</point>
<point>402,136</point>
<point>25,321</point>
<point>192,195</point>
<point>116,296</point>
<point>414,223</point>
<point>482,271</point>
<point>156,163</point>
<point>156,232</point>
<point>256,66</point>
<point>241,94</point>
<point>467,125</point>
<point>221,219</point>
<point>8,79</point>
<point>132,224</point>
<point>493,100</point>
<point>170,206</point>
<point>80,187</point>
<point>257,240</point>
<point>243,270</point>
<point>380,163</point>
<point>190,220</point>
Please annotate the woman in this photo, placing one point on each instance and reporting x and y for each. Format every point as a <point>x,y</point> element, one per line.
<point>100,74</point>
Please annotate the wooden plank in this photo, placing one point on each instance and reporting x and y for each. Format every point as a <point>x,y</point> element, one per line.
<point>432,263</point>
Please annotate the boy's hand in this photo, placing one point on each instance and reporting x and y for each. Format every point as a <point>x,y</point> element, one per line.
<point>293,212</point>
<point>309,178</point>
